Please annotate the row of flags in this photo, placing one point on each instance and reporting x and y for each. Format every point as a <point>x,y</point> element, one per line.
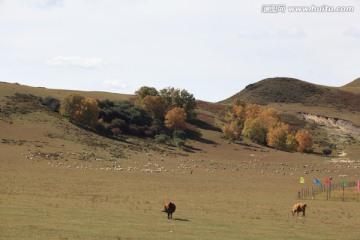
<point>328,181</point>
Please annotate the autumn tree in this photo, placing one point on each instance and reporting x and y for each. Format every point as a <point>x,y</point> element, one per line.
<point>174,97</point>
<point>235,116</point>
<point>255,129</point>
<point>87,112</point>
<point>144,92</point>
<point>277,136</point>
<point>232,130</point>
<point>70,104</point>
<point>291,142</point>
<point>80,109</point>
<point>154,107</point>
<point>304,140</point>
<point>175,119</point>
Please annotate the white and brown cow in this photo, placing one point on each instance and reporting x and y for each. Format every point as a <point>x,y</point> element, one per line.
<point>169,208</point>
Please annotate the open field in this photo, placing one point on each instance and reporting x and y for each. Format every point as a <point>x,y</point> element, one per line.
<point>59,181</point>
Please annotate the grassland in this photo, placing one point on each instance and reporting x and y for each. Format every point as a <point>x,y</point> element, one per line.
<point>59,181</point>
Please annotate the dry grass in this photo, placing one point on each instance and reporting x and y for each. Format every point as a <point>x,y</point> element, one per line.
<point>60,182</point>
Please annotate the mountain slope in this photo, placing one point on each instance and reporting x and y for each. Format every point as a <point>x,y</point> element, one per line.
<point>353,87</point>
<point>290,90</point>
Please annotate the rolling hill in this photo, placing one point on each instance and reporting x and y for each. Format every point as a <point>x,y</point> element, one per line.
<point>290,90</point>
<point>353,86</point>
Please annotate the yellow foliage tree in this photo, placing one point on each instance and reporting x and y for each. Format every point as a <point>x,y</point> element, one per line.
<point>87,112</point>
<point>175,119</point>
<point>70,104</point>
<point>277,136</point>
<point>291,142</point>
<point>80,109</point>
<point>154,106</point>
<point>232,131</point>
<point>304,140</point>
<point>255,129</point>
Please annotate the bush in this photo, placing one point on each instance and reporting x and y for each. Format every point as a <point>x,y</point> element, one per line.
<point>119,123</point>
<point>308,150</point>
<point>179,142</point>
<point>100,128</point>
<point>116,131</point>
<point>326,151</point>
<point>161,138</point>
<point>179,134</point>
<point>52,103</point>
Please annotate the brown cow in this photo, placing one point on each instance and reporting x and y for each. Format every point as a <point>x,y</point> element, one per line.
<point>299,207</point>
<point>169,208</point>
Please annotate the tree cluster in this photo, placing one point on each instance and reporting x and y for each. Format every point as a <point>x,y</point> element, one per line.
<point>154,113</point>
<point>263,126</point>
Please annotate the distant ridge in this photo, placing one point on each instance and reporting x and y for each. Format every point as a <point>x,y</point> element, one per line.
<point>291,90</point>
<point>355,83</point>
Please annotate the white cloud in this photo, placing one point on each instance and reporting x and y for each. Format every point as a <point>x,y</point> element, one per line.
<point>112,83</point>
<point>291,33</point>
<point>75,61</point>
<point>45,3</point>
<point>352,32</point>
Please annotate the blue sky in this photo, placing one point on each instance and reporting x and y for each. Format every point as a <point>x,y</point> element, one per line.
<point>212,48</point>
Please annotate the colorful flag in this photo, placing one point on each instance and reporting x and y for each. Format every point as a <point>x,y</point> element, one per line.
<point>359,185</point>
<point>317,181</point>
<point>327,180</point>
<point>302,180</point>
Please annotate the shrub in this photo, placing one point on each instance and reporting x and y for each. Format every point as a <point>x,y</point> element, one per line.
<point>179,142</point>
<point>119,123</point>
<point>52,103</point>
<point>116,131</point>
<point>308,150</point>
<point>327,151</point>
<point>161,138</point>
<point>179,134</point>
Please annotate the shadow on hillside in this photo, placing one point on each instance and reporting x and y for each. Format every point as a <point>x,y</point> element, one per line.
<point>197,136</point>
<point>204,125</point>
<point>181,219</point>
<point>191,149</point>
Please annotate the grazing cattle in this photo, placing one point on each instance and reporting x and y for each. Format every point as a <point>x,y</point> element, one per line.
<point>169,208</point>
<point>299,207</point>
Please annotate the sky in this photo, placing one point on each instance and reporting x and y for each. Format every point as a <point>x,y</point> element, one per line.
<point>211,48</point>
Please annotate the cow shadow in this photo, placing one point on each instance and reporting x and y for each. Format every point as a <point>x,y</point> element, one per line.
<point>181,219</point>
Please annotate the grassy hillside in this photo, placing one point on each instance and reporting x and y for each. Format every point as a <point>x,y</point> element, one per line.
<point>353,87</point>
<point>9,89</point>
<point>290,90</point>
<point>60,181</point>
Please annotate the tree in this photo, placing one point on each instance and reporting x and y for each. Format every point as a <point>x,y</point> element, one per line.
<point>277,136</point>
<point>179,98</point>
<point>304,139</point>
<point>154,106</point>
<point>291,142</point>
<point>70,104</point>
<point>80,109</point>
<point>88,112</point>
<point>175,119</point>
<point>232,130</point>
<point>144,92</point>
<point>255,129</point>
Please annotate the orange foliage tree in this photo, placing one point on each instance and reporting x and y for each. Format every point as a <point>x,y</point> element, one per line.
<point>175,119</point>
<point>304,140</point>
